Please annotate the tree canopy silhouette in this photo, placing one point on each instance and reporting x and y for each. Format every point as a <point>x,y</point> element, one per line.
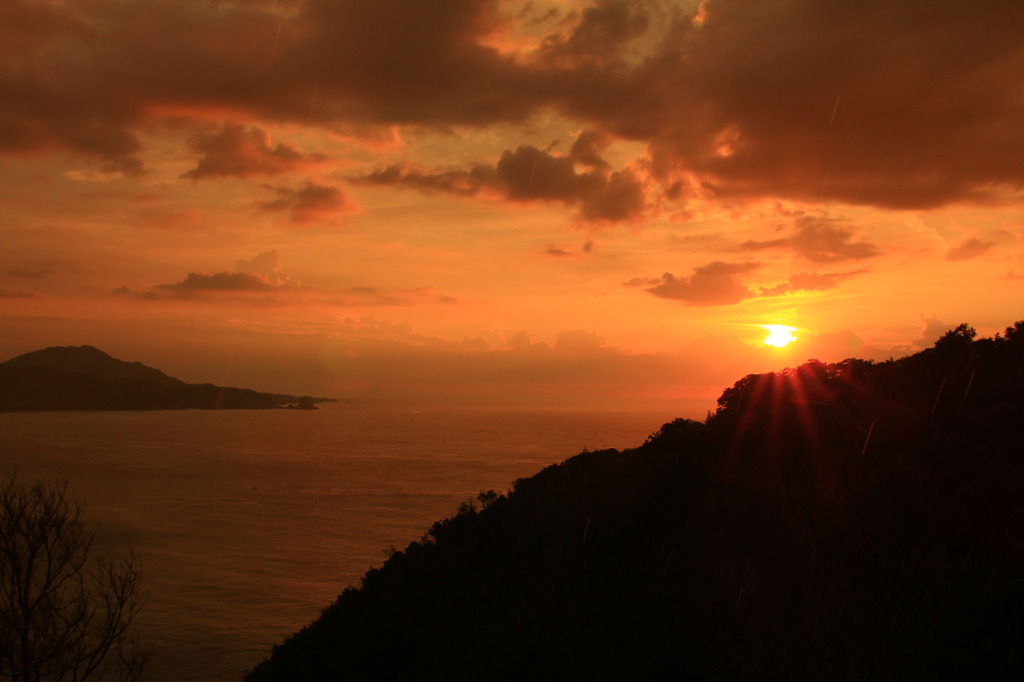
<point>62,615</point>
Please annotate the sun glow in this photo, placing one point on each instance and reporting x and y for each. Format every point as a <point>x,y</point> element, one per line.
<point>779,335</point>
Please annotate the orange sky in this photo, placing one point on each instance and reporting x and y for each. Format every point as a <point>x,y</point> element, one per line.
<point>574,204</point>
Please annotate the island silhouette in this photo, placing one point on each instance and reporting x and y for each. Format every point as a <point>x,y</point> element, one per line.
<point>835,521</point>
<point>86,378</point>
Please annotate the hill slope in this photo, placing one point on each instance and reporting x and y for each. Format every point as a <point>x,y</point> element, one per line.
<point>85,378</point>
<point>834,521</point>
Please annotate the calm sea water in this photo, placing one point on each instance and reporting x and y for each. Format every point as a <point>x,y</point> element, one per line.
<point>248,523</point>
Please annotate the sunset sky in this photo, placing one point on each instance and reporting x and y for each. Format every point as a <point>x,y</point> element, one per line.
<point>565,204</point>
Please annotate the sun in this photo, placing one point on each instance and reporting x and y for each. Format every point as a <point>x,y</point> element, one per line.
<point>779,335</point>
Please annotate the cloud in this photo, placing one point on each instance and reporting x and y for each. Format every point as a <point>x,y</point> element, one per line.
<point>618,198</point>
<point>311,202</point>
<point>600,36</point>
<point>530,174</point>
<point>819,242</point>
<point>260,275</point>
<point>968,249</point>
<point>9,293</point>
<point>364,296</point>
<point>260,281</point>
<point>934,329</point>
<point>808,281</point>
<point>876,103</point>
<point>456,182</point>
<point>267,265</point>
<point>712,284</point>
<point>234,151</point>
<point>196,285</point>
<point>39,269</point>
<point>588,147</point>
<point>558,252</point>
<point>831,346</point>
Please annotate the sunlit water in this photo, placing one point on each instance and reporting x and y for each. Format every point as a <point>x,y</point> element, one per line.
<point>248,523</point>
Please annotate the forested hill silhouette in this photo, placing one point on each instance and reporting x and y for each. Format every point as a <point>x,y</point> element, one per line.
<point>846,521</point>
<point>86,378</point>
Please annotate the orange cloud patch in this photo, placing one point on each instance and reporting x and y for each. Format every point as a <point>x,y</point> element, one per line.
<point>253,279</point>
<point>819,242</point>
<point>197,285</point>
<point>310,202</point>
<point>234,151</point>
<point>716,283</point>
<point>808,281</point>
<point>968,249</point>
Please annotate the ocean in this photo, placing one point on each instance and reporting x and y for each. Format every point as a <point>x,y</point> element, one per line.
<point>248,522</point>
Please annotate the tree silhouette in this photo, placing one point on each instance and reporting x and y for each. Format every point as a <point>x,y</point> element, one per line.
<point>62,616</point>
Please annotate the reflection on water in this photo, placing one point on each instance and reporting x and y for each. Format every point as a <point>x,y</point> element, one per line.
<point>247,523</point>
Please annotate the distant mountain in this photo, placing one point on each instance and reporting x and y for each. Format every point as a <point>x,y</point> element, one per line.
<point>833,521</point>
<point>86,378</point>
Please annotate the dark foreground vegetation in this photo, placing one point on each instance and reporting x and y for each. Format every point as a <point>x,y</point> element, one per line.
<point>848,521</point>
<point>86,378</point>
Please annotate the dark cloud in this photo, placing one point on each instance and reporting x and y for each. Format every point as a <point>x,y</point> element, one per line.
<point>819,242</point>
<point>457,182</point>
<point>532,174</point>
<point>712,284</point>
<point>403,62</point>
<point>588,147</point>
<point>235,151</point>
<point>529,174</point>
<point>558,252</point>
<point>599,37</point>
<point>893,104</point>
<point>310,202</point>
<point>260,275</point>
<point>968,249</point>
<point>618,198</point>
<point>197,285</point>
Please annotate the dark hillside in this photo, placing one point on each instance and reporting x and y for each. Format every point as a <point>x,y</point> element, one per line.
<point>846,521</point>
<point>85,378</point>
<point>93,362</point>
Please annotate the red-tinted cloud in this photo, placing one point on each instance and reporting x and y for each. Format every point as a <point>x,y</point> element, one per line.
<point>309,203</point>
<point>894,104</point>
<point>456,182</point>
<point>256,280</point>
<point>40,269</point>
<point>808,281</point>
<point>531,174</point>
<point>819,242</point>
<point>712,284</point>
<point>968,249</point>
<point>234,151</point>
